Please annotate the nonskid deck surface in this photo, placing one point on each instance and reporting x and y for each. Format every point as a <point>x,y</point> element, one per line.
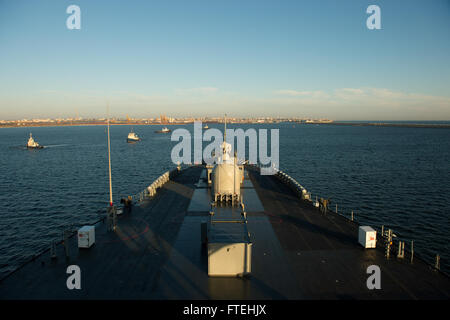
<point>156,253</point>
<point>326,259</point>
<point>121,265</point>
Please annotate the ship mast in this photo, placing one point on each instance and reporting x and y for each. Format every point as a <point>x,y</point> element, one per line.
<point>224,138</point>
<point>225,131</point>
<point>109,166</point>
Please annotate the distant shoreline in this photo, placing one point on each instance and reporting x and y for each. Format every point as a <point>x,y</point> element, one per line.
<point>88,124</point>
<point>384,124</point>
<point>357,124</point>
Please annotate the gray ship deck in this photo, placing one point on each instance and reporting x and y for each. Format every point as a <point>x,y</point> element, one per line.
<point>156,253</point>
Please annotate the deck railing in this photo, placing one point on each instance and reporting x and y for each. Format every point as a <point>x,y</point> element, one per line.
<point>394,244</point>
<point>153,188</point>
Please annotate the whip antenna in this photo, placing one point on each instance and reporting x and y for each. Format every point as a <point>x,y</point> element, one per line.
<point>109,165</point>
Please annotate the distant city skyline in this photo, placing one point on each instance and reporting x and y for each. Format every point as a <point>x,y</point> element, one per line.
<point>306,59</point>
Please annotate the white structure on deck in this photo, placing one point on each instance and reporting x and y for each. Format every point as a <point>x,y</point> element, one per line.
<point>86,236</point>
<point>229,248</point>
<point>227,237</point>
<point>226,175</point>
<point>367,237</point>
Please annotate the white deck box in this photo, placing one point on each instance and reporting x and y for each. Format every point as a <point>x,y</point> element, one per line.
<point>367,237</point>
<point>229,259</point>
<point>229,250</point>
<point>86,236</point>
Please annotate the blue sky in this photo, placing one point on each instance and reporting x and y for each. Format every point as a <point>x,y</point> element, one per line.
<point>245,58</point>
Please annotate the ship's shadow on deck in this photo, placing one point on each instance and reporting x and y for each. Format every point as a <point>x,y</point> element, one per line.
<point>288,213</point>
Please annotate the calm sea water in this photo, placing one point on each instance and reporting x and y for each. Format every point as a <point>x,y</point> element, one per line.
<point>397,177</point>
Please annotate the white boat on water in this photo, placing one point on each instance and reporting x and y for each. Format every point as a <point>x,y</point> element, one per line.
<point>31,144</point>
<point>164,130</point>
<point>205,126</point>
<point>133,137</point>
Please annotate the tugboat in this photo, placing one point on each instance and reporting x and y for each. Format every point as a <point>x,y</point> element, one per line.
<point>33,144</point>
<point>164,130</point>
<point>133,137</point>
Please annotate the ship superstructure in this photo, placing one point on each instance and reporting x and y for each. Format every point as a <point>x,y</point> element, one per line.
<point>133,137</point>
<point>32,144</point>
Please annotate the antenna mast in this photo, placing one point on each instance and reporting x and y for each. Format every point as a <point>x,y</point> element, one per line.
<point>225,131</point>
<point>109,166</point>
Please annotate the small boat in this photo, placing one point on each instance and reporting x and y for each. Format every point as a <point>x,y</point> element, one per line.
<point>205,126</point>
<point>164,130</point>
<point>133,137</point>
<point>33,144</point>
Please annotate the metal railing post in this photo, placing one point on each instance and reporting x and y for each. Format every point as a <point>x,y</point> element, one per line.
<point>437,264</point>
<point>66,243</point>
<point>53,250</point>
<point>401,250</point>
<point>388,243</point>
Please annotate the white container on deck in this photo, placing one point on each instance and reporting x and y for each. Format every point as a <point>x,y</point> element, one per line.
<point>229,259</point>
<point>367,237</point>
<point>86,236</point>
<point>229,249</point>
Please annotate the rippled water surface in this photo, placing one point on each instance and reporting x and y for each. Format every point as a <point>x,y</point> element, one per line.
<point>397,177</point>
